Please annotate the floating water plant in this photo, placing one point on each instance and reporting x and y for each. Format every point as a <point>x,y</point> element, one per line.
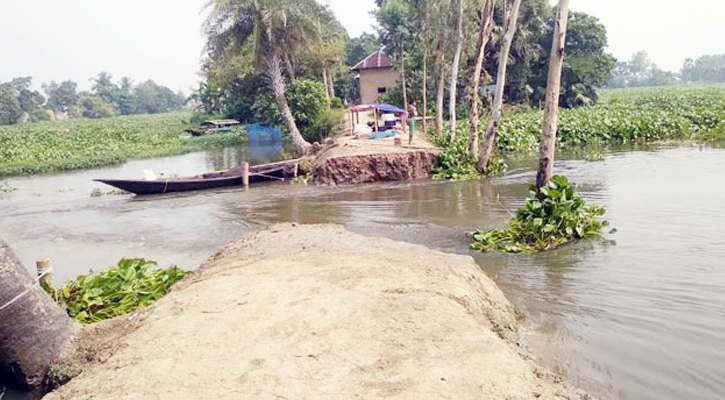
<point>558,217</point>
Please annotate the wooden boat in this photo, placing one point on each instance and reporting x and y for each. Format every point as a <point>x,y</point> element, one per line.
<point>210,180</point>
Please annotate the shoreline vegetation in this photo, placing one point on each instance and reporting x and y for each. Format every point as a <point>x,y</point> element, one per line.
<point>73,144</point>
<point>624,116</point>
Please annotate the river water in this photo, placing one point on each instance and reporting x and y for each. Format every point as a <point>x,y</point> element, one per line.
<point>639,314</point>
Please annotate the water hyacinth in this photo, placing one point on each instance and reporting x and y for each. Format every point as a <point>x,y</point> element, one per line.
<point>558,217</point>
<point>86,143</point>
<point>117,290</point>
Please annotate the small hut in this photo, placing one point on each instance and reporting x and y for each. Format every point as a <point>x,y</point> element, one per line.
<point>376,75</point>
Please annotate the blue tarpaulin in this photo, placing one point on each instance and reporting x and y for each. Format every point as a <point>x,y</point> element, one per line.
<point>383,134</point>
<point>258,133</point>
<point>385,108</point>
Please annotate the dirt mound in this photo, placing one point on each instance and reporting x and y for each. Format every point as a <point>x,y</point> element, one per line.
<point>317,312</point>
<point>374,167</point>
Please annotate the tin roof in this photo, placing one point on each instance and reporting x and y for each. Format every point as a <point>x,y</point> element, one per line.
<point>376,60</point>
<point>221,122</point>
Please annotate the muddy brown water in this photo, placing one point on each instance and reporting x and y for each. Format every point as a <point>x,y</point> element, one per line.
<point>642,318</point>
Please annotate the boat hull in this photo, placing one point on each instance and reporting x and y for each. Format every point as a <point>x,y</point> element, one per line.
<point>171,185</point>
<point>211,180</point>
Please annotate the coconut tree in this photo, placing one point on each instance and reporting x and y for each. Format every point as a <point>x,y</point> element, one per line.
<point>34,331</point>
<point>274,29</point>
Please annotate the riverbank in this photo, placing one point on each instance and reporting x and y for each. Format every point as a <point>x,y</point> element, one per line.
<point>357,159</point>
<point>315,311</point>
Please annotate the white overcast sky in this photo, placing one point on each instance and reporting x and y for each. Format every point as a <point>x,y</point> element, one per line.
<point>161,39</point>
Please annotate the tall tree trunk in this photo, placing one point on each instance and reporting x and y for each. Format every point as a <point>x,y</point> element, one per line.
<point>475,79</point>
<point>327,83</point>
<point>454,71</point>
<point>551,106</point>
<point>331,83</point>
<point>440,93</point>
<point>402,74</point>
<point>424,94</point>
<point>424,90</point>
<point>274,73</point>
<point>34,331</point>
<point>487,143</point>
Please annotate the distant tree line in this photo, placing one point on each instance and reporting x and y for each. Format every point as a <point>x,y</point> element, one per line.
<point>640,71</point>
<point>19,103</point>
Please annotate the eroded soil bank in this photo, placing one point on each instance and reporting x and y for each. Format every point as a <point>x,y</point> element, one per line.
<point>317,312</point>
<point>408,165</point>
<point>354,160</point>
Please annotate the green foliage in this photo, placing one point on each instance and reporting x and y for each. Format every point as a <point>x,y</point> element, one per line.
<point>335,102</point>
<point>76,144</point>
<point>586,65</point>
<point>455,163</point>
<point>706,68</point>
<point>623,117</point>
<point>61,97</point>
<point>118,290</point>
<point>558,217</point>
<point>310,107</point>
<point>94,107</point>
<point>640,71</point>
<point>393,96</point>
<point>10,110</point>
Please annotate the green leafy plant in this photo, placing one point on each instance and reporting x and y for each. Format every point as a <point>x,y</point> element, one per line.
<point>455,163</point>
<point>558,217</point>
<point>131,284</point>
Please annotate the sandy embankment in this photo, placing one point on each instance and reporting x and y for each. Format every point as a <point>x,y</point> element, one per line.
<point>317,312</point>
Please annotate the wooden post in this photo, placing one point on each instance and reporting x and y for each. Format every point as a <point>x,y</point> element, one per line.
<point>45,271</point>
<point>245,174</point>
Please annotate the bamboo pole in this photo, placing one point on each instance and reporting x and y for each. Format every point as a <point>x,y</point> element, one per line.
<point>245,174</point>
<point>45,273</point>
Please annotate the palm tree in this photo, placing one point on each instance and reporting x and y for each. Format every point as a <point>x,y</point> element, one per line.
<point>274,29</point>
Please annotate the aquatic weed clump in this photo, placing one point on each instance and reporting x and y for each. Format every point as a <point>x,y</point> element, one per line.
<point>557,217</point>
<point>131,284</point>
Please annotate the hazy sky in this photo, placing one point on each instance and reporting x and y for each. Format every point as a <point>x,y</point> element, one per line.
<point>161,39</point>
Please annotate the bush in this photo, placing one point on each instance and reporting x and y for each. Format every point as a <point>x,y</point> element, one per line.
<point>324,126</point>
<point>456,163</point>
<point>335,102</point>
<point>310,108</point>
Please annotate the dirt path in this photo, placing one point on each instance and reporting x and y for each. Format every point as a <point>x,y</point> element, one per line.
<point>317,312</point>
